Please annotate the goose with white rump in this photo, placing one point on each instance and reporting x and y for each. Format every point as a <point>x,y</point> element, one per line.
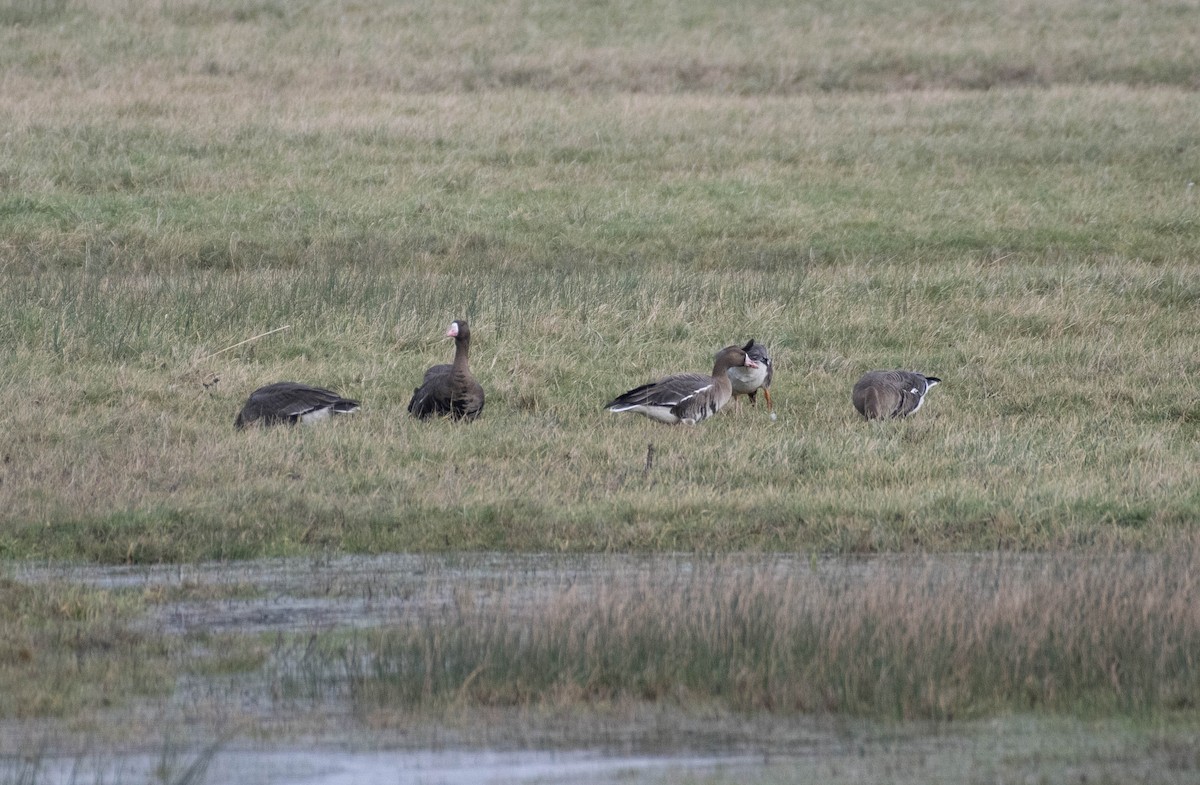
<point>291,403</point>
<point>883,394</point>
<point>685,397</point>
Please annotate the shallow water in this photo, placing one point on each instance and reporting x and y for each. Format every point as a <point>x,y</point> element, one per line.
<point>1007,750</point>
<point>320,743</point>
<point>337,767</point>
<point>299,596</point>
<point>313,595</point>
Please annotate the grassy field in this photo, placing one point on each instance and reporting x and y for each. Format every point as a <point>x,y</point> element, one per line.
<point>200,197</point>
<point>1032,245</point>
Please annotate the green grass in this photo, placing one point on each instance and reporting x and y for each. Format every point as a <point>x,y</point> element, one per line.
<point>1068,415</point>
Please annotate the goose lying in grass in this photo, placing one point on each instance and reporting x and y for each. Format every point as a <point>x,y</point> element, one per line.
<point>685,397</point>
<point>292,402</point>
<point>450,389</point>
<point>882,394</point>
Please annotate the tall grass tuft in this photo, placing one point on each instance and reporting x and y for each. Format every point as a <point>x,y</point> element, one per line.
<point>899,638</point>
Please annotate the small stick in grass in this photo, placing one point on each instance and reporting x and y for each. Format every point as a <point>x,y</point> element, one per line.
<point>239,343</point>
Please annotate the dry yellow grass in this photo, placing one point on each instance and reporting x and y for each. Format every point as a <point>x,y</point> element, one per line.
<point>901,638</point>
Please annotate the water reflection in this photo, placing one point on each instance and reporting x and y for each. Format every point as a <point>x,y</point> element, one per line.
<point>337,767</point>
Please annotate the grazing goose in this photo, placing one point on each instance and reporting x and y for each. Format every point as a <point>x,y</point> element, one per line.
<point>881,394</point>
<point>749,380</point>
<point>291,402</point>
<point>450,389</point>
<point>685,397</point>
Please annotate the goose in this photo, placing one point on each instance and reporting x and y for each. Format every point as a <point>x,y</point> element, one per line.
<point>881,394</point>
<point>292,402</point>
<point>450,389</point>
<point>685,397</point>
<point>748,381</point>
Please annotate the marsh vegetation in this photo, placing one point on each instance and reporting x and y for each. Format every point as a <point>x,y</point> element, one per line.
<point>816,662</point>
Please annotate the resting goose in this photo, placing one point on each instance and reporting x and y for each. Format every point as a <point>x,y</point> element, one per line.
<point>450,389</point>
<point>292,402</point>
<point>685,397</point>
<point>749,380</point>
<point>881,394</point>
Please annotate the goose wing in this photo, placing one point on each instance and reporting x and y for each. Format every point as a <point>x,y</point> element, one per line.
<point>445,391</point>
<point>667,392</point>
<point>911,387</point>
<point>433,396</point>
<point>702,403</point>
<point>290,402</point>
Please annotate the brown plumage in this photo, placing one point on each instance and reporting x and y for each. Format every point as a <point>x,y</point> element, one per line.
<point>291,402</point>
<point>882,394</point>
<point>685,397</point>
<point>450,389</point>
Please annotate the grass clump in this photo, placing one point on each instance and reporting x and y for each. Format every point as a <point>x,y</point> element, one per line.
<point>903,638</point>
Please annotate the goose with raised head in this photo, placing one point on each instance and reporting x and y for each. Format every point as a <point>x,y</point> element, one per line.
<point>450,389</point>
<point>883,394</point>
<point>685,397</point>
<point>291,403</point>
<point>749,380</point>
